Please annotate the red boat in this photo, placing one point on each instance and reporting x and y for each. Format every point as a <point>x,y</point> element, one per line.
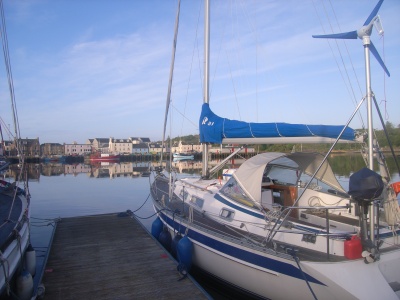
<point>104,157</point>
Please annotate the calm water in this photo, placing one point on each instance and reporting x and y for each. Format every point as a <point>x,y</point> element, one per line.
<point>60,191</point>
<point>69,191</point>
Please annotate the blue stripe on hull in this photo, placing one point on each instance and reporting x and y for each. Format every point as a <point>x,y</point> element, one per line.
<point>240,254</point>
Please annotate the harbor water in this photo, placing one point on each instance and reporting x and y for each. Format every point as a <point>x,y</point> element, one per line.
<point>60,191</point>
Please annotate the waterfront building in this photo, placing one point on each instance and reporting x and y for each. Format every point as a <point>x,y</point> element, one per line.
<point>7,146</point>
<point>141,148</point>
<point>47,149</point>
<point>77,149</point>
<point>100,145</point>
<point>155,148</point>
<point>138,140</point>
<point>182,147</point>
<point>121,146</point>
<point>29,147</point>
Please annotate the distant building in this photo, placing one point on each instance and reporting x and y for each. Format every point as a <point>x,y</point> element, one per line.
<point>138,140</point>
<point>132,145</point>
<point>47,149</point>
<point>101,145</point>
<point>141,148</point>
<point>8,147</point>
<point>30,147</point>
<point>77,149</point>
<point>186,147</point>
<point>155,148</point>
<point>121,146</point>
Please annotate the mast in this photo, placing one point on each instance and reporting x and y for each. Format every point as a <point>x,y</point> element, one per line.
<point>206,75</point>
<point>366,43</point>
<point>171,75</point>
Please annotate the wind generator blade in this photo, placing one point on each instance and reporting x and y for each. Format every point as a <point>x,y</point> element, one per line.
<point>378,58</point>
<point>373,13</point>
<point>345,35</point>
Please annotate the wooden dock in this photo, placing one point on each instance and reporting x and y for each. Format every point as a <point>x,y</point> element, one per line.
<point>111,257</point>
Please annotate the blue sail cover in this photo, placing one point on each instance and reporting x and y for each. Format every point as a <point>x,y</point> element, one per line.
<point>214,128</point>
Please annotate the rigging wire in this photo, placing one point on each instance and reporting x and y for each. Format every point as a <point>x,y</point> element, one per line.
<point>384,79</point>
<point>7,62</point>
<point>236,43</point>
<point>17,138</point>
<point>348,54</point>
<point>348,85</point>
<point>217,60</point>
<point>190,75</point>
<point>254,31</point>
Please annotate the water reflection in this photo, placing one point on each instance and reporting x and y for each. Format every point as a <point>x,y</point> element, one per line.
<point>343,165</point>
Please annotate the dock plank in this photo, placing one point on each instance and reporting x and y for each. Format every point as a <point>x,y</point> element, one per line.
<point>111,257</point>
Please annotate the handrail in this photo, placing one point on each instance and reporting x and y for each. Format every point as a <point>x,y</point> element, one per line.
<point>285,211</point>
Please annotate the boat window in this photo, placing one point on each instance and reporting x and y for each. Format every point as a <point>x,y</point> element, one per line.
<point>197,201</point>
<point>279,175</point>
<point>235,192</point>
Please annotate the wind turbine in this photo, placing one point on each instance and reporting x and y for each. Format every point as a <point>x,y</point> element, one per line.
<point>364,33</point>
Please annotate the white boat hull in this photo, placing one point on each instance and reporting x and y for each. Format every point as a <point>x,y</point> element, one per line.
<point>11,257</point>
<point>260,272</point>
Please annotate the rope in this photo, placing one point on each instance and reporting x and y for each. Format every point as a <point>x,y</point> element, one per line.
<point>142,204</point>
<point>18,238</point>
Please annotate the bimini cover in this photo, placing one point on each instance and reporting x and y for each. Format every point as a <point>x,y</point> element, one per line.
<point>214,128</point>
<point>250,173</point>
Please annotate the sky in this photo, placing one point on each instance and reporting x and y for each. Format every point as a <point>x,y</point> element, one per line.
<point>100,68</point>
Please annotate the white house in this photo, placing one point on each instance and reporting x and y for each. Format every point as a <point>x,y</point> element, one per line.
<point>155,148</point>
<point>121,146</point>
<point>186,148</point>
<point>77,149</point>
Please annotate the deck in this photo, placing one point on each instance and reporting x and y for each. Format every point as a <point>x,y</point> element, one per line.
<point>111,257</point>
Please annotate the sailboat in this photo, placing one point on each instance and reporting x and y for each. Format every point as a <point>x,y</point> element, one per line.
<point>281,226</point>
<point>18,258</point>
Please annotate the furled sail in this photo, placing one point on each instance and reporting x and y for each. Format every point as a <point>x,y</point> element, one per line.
<point>214,129</point>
